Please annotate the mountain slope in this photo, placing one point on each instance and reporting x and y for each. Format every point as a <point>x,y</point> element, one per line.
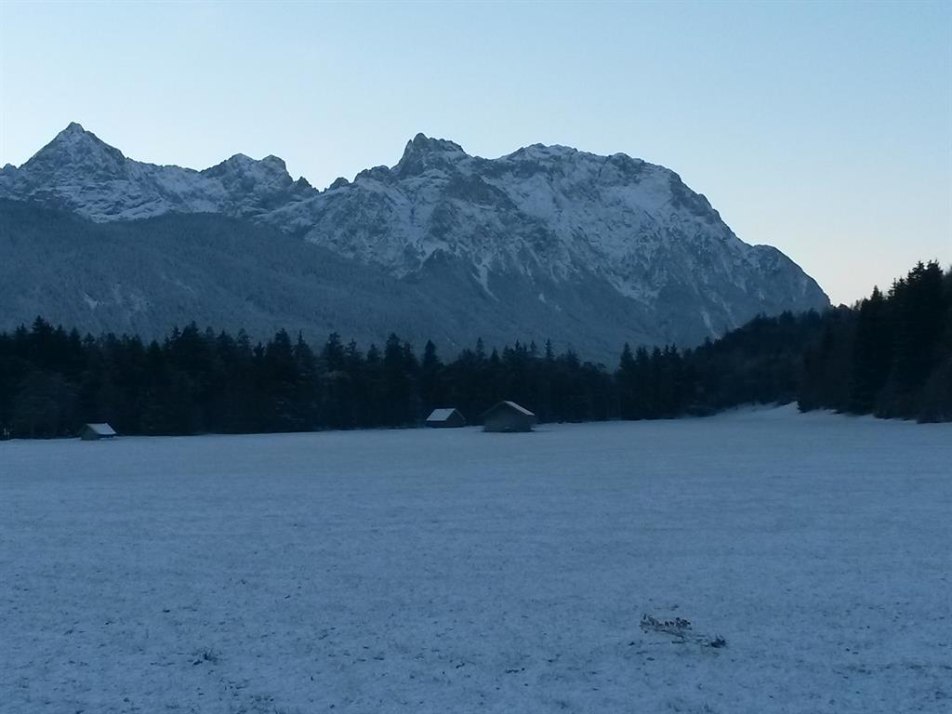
<point>552,217</point>
<point>148,276</point>
<point>544,242</point>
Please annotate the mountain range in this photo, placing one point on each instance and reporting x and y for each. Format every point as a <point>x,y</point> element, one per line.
<point>544,243</point>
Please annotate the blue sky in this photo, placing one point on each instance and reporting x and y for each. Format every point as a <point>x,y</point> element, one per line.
<point>822,128</point>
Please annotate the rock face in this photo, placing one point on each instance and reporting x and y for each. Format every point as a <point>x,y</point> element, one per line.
<point>547,242</point>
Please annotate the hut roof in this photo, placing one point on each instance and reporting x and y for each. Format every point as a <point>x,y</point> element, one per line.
<point>511,405</point>
<point>101,429</point>
<point>440,414</point>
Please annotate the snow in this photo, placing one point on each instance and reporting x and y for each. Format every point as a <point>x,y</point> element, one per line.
<point>516,407</point>
<point>570,221</point>
<point>96,181</point>
<point>435,571</point>
<point>101,429</point>
<point>482,277</point>
<point>441,414</point>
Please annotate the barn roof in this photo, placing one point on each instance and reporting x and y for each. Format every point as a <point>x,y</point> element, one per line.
<point>101,429</point>
<point>440,414</point>
<point>518,408</point>
<point>509,405</point>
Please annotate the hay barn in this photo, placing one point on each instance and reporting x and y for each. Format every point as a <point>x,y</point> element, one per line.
<point>508,417</point>
<point>94,432</point>
<point>446,419</point>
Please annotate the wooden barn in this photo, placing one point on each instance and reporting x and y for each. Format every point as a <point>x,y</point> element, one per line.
<point>508,417</point>
<point>448,418</point>
<point>94,432</point>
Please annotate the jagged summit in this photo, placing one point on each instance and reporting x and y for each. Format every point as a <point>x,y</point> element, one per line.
<point>243,164</point>
<point>244,160</point>
<point>423,153</point>
<point>79,172</point>
<point>74,127</point>
<point>75,135</point>
<point>75,145</point>
<point>545,151</point>
<point>422,144</point>
<point>238,159</point>
<point>275,162</point>
<point>548,240</point>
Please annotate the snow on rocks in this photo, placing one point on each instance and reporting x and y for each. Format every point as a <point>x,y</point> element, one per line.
<point>542,214</point>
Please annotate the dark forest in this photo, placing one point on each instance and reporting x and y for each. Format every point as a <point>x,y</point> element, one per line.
<point>889,355</point>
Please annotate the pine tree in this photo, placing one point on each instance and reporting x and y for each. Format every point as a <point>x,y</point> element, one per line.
<point>871,354</point>
<point>431,391</point>
<point>626,381</point>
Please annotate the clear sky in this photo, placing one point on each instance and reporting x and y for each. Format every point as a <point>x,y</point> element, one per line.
<point>823,128</point>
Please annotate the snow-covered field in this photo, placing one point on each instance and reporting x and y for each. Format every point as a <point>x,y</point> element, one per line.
<point>456,571</point>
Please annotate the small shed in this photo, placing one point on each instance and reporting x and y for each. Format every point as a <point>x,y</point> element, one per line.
<point>94,432</point>
<point>447,418</point>
<point>508,417</point>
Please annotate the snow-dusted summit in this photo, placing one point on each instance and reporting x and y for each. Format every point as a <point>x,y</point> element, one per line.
<point>80,173</point>
<point>595,250</point>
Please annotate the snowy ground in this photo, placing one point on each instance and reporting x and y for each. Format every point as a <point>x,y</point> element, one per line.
<point>456,571</point>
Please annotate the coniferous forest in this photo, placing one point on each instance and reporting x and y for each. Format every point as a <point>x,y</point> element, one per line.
<point>889,355</point>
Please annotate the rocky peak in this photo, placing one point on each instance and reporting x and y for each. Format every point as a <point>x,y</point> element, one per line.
<point>274,163</point>
<point>542,152</point>
<point>74,147</point>
<point>243,175</point>
<point>74,128</point>
<point>423,153</point>
<point>243,164</point>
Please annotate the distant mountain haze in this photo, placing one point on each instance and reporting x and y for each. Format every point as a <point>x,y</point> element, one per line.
<point>544,243</point>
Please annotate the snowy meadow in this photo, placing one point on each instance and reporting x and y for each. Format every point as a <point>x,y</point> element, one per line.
<point>758,561</point>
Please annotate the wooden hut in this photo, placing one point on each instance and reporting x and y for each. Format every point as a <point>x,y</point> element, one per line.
<point>508,417</point>
<point>94,432</point>
<point>448,418</point>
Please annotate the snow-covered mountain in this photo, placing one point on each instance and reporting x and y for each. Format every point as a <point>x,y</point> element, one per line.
<point>546,242</point>
<point>79,172</point>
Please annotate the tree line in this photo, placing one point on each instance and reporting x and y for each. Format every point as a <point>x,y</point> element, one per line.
<point>889,355</point>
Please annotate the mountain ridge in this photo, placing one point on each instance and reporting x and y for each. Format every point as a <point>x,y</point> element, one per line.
<point>547,225</point>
